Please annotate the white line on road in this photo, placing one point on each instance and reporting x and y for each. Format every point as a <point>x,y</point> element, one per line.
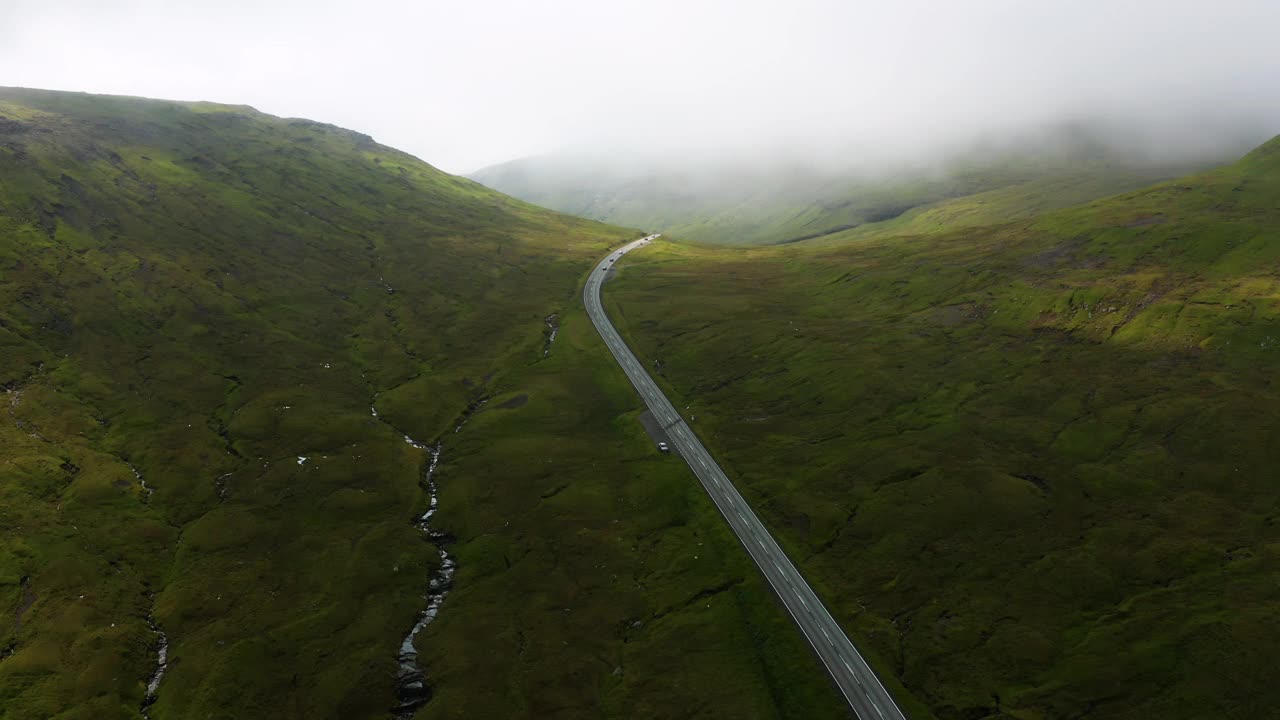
<point>753,535</point>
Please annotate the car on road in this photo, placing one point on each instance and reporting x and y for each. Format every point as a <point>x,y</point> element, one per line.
<point>663,447</point>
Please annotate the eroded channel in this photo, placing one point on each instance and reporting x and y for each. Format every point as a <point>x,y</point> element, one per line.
<point>553,329</point>
<point>412,690</point>
<point>162,664</point>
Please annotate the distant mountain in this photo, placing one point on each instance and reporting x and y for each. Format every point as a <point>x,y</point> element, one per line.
<point>745,202</point>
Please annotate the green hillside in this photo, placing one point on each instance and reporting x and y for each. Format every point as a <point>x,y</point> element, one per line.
<point>201,308</point>
<point>750,205</point>
<point>1032,464</point>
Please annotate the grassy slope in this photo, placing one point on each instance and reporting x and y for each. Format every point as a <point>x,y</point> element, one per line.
<point>1020,200</point>
<point>755,208</point>
<point>208,293</point>
<point>627,595</point>
<point>1032,465</point>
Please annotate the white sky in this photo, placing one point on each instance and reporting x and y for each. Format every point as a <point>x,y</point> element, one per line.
<point>467,83</point>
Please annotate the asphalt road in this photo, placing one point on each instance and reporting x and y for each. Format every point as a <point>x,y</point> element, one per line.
<point>867,697</point>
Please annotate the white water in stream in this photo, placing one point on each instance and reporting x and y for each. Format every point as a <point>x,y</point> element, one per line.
<point>412,687</point>
<point>162,664</point>
<point>162,640</point>
<point>471,411</point>
<point>150,490</point>
<point>553,322</point>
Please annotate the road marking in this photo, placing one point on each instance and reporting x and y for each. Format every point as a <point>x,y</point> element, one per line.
<point>755,538</point>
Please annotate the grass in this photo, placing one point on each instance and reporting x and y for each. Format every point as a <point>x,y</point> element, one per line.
<point>1029,464</point>
<point>206,294</point>
<point>618,572</point>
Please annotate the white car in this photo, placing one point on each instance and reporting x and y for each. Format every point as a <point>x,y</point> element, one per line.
<point>663,447</point>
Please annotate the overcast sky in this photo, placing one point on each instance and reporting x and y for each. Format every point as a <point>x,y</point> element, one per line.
<point>466,83</point>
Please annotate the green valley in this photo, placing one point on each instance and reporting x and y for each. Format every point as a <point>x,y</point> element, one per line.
<point>275,392</point>
<point>814,360</point>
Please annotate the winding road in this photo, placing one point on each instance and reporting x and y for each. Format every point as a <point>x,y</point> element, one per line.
<point>866,695</point>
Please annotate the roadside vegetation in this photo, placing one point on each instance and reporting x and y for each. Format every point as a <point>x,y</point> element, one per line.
<point>201,307</point>
<point>596,578</point>
<point>1030,464</point>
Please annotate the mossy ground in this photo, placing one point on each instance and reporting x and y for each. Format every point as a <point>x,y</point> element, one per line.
<point>210,294</point>
<point>1032,465</point>
<point>616,571</point>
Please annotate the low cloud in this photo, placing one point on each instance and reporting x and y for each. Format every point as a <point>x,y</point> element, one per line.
<point>464,85</point>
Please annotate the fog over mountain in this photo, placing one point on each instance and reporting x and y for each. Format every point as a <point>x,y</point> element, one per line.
<point>791,194</point>
<point>466,85</point>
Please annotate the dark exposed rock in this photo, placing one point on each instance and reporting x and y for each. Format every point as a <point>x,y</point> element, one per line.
<point>9,126</point>
<point>515,402</point>
<point>1039,482</point>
